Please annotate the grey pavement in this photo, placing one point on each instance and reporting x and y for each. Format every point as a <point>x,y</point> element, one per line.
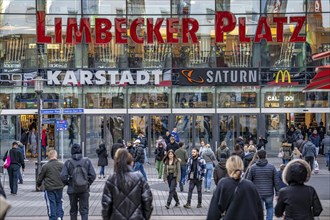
<point>29,204</point>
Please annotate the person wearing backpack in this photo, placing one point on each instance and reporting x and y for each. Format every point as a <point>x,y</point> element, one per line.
<point>78,173</point>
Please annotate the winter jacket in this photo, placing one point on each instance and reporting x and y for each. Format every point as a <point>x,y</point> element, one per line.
<point>316,140</point>
<point>219,171</point>
<point>16,157</point>
<point>300,144</point>
<point>262,143</point>
<point>172,146</point>
<point>182,155</point>
<point>326,143</point>
<point>299,202</point>
<point>143,141</point>
<point>264,176</point>
<point>159,153</point>
<point>24,138</point>
<point>208,156</point>
<point>244,204</point>
<point>102,154</point>
<point>139,154</point>
<point>222,150</point>
<point>50,174</point>
<point>177,170</point>
<point>247,159</point>
<point>131,150</point>
<point>68,170</point>
<point>287,151</point>
<point>238,153</point>
<point>30,137</point>
<point>176,136</point>
<point>44,138</point>
<point>115,147</point>
<point>201,168</point>
<point>309,150</point>
<point>133,200</point>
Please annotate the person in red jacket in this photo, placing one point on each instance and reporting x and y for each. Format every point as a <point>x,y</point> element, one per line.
<point>44,143</point>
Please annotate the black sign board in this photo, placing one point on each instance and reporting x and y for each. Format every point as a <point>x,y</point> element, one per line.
<point>218,76</point>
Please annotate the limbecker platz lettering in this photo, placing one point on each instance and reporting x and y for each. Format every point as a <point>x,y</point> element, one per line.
<point>178,30</point>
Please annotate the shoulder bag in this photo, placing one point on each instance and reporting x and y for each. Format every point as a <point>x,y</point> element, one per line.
<point>7,161</point>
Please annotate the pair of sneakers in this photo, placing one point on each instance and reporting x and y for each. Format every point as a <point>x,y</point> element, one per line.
<point>188,206</point>
<point>177,204</point>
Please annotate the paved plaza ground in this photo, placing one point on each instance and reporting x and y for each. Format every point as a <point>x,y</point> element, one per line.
<point>29,204</point>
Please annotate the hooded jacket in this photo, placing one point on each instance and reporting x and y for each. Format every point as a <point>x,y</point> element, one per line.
<point>247,159</point>
<point>326,143</point>
<point>139,154</point>
<point>102,154</point>
<point>299,202</point>
<point>76,158</point>
<point>309,150</point>
<point>221,150</point>
<point>220,171</point>
<point>134,201</point>
<point>264,176</point>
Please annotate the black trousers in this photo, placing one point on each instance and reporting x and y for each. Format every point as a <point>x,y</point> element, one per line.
<point>83,200</point>
<point>192,184</point>
<point>13,172</point>
<point>172,182</point>
<point>310,160</point>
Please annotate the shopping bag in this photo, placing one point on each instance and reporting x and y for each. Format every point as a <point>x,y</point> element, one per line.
<point>7,161</point>
<point>316,167</point>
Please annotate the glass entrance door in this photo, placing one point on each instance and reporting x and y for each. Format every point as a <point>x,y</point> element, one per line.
<point>183,123</point>
<point>139,123</point>
<point>248,127</point>
<point>8,133</point>
<point>159,126</point>
<point>227,126</point>
<point>203,130</point>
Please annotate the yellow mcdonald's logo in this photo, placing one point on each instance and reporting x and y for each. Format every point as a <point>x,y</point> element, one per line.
<point>283,73</point>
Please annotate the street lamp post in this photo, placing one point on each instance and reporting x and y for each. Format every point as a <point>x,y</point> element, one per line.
<point>38,88</point>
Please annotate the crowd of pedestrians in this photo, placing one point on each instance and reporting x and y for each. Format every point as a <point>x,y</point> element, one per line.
<point>243,178</point>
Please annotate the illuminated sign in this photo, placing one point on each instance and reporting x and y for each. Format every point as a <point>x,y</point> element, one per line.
<point>283,73</point>
<point>276,98</point>
<point>218,76</point>
<point>102,77</point>
<point>178,30</point>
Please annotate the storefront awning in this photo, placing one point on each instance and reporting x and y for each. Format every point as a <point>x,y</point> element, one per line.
<point>323,74</point>
<point>322,84</point>
<point>321,55</point>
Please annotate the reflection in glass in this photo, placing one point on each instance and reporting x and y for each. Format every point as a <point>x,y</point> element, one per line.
<point>203,128</point>
<point>197,97</point>
<point>183,123</point>
<point>94,134</point>
<point>159,126</point>
<point>148,97</point>
<point>139,124</point>
<point>248,127</point>
<point>228,130</point>
<point>237,100</point>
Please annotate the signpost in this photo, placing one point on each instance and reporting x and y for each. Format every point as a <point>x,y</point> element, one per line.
<point>60,124</point>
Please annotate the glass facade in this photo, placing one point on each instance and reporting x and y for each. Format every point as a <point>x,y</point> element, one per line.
<point>168,102</point>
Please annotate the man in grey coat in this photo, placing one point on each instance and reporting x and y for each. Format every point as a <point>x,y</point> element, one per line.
<point>309,153</point>
<point>264,176</point>
<point>326,147</point>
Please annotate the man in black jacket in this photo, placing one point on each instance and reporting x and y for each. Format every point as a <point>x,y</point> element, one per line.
<point>139,158</point>
<point>16,162</point>
<point>50,174</point>
<point>66,176</point>
<point>115,147</point>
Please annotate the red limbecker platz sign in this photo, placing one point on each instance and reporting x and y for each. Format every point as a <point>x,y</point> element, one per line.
<point>177,30</point>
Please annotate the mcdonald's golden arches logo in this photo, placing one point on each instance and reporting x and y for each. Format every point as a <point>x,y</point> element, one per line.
<point>283,74</point>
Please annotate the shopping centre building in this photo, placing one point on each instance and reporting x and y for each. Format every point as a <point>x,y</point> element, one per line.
<point>214,69</point>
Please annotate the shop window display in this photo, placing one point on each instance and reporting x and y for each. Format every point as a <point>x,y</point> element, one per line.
<point>237,100</point>
<point>317,99</point>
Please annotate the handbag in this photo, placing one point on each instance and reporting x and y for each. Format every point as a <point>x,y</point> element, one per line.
<point>280,154</point>
<point>4,207</point>
<point>7,161</point>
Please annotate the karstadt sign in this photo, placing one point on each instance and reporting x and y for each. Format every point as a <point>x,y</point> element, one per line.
<point>103,77</point>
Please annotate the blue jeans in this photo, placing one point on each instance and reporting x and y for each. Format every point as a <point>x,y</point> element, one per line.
<point>139,167</point>
<point>268,201</point>
<point>327,158</point>
<point>43,152</point>
<point>208,175</point>
<point>102,170</point>
<point>54,203</point>
<point>145,155</point>
<point>183,174</point>
<point>285,161</point>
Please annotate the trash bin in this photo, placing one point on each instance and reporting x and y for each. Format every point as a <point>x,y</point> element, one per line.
<point>42,188</point>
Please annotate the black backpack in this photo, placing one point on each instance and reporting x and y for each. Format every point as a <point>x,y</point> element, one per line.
<point>79,176</point>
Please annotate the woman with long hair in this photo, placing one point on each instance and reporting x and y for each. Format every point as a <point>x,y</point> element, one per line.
<point>172,174</point>
<point>233,192</point>
<point>126,194</point>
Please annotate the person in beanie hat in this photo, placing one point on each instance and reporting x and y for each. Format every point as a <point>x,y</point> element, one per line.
<point>67,178</point>
<point>298,201</point>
